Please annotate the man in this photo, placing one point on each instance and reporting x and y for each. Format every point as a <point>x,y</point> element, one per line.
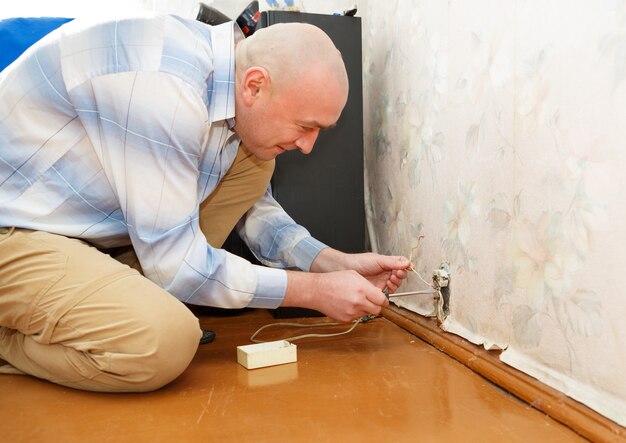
<point>161,133</point>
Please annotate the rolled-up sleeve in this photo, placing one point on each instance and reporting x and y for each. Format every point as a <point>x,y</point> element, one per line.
<point>275,238</point>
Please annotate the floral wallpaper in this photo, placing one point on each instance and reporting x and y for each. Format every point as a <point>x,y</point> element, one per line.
<point>495,141</point>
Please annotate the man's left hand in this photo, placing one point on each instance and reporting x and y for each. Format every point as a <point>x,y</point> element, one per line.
<point>383,271</point>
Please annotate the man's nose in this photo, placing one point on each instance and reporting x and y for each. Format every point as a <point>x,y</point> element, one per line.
<point>307,140</point>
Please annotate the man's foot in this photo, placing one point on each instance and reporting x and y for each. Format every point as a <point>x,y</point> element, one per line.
<point>207,336</point>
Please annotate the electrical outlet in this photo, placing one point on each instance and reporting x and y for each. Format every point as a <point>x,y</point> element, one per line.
<point>441,282</point>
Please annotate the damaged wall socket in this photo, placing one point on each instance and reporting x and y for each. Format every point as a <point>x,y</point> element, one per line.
<point>440,288</point>
<point>441,282</point>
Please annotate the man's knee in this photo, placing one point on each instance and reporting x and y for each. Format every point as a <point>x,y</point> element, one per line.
<point>157,352</point>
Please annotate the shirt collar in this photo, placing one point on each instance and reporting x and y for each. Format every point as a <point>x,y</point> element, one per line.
<point>224,38</point>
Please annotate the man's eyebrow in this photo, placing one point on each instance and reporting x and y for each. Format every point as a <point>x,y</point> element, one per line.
<point>316,124</point>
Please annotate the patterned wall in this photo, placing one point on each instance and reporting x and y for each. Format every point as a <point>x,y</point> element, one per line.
<point>497,131</point>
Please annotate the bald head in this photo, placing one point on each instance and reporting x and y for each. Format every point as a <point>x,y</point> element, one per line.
<point>290,52</point>
<point>290,84</point>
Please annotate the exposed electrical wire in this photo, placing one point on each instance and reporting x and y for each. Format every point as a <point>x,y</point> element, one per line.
<point>411,268</point>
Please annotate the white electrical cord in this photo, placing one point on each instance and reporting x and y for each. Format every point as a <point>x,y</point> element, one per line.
<point>314,325</point>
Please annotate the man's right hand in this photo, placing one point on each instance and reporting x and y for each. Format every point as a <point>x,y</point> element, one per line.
<point>341,295</point>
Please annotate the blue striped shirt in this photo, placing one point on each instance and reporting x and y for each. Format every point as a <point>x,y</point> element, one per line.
<point>115,132</point>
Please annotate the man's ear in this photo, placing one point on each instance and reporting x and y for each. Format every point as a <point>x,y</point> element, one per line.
<point>255,82</point>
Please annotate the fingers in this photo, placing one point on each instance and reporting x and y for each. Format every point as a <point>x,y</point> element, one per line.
<point>396,262</point>
<point>351,296</point>
<point>401,274</point>
<point>396,278</point>
<point>364,309</point>
<point>376,300</point>
<point>364,302</point>
<point>392,287</point>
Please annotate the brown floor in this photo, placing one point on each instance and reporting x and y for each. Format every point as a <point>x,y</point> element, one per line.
<point>378,384</point>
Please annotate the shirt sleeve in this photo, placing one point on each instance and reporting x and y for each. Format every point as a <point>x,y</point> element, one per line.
<point>275,238</point>
<point>149,130</point>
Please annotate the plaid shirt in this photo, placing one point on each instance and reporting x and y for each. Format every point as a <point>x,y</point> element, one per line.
<point>115,132</point>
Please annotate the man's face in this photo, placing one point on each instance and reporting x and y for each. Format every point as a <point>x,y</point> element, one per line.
<point>290,119</point>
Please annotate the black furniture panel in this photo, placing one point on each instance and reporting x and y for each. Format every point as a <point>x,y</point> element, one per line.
<point>323,191</point>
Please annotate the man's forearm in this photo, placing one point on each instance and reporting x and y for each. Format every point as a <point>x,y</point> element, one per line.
<point>328,260</point>
<point>300,289</point>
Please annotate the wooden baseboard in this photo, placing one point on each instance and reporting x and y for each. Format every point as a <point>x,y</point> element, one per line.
<point>557,405</point>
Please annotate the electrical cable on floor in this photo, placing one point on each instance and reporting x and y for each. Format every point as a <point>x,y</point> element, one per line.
<point>364,319</point>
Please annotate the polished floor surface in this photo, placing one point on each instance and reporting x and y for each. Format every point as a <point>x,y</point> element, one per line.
<point>377,384</point>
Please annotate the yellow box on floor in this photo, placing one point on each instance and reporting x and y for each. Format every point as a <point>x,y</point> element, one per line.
<point>271,353</point>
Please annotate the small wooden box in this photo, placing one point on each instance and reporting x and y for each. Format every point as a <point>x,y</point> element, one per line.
<point>271,353</point>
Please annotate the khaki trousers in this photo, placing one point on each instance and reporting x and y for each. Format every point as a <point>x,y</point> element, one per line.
<point>75,316</point>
